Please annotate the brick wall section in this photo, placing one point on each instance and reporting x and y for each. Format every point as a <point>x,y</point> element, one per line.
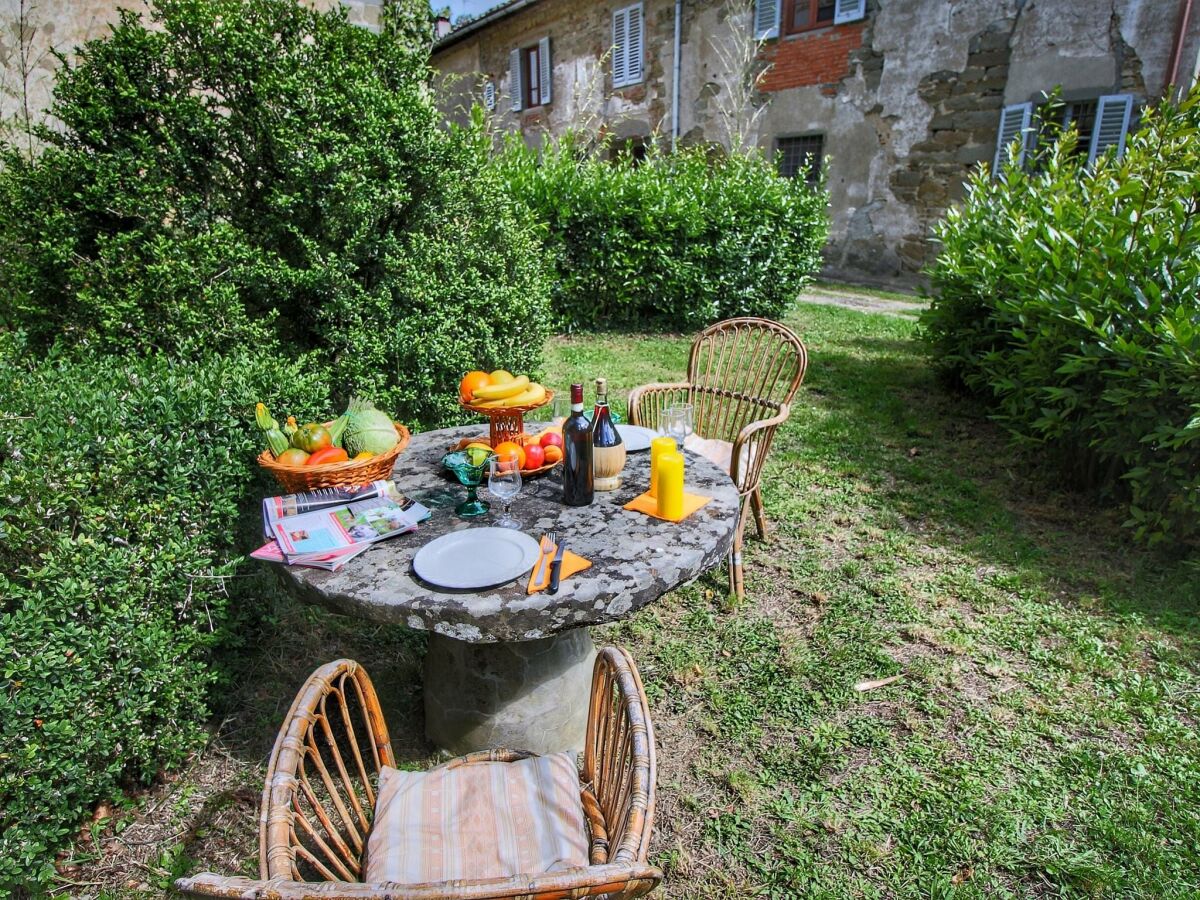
<point>820,57</point>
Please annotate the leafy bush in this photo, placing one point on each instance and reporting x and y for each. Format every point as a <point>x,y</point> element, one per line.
<point>122,489</point>
<point>243,168</point>
<point>677,240</point>
<point>1068,297</point>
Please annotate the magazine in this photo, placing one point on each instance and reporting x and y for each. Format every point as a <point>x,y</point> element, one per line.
<point>275,508</point>
<point>322,530</point>
<point>331,562</point>
<point>329,530</point>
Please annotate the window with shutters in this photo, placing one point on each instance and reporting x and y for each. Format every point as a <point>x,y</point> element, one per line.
<point>800,157</point>
<point>628,46</point>
<point>795,16</point>
<point>805,15</point>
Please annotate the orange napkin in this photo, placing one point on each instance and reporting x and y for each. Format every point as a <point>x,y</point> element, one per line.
<point>644,503</point>
<point>570,565</point>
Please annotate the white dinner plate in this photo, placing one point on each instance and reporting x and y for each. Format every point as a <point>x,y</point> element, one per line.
<point>476,558</point>
<point>636,437</point>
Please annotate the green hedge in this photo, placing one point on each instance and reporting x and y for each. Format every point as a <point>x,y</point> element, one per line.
<point>1067,297</point>
<point>126,493</point>
<point>676,241</point>
<point>247,168</point>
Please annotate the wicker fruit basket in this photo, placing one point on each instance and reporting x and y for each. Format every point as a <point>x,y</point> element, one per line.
<point>506,422</point>
<point>297,479</point>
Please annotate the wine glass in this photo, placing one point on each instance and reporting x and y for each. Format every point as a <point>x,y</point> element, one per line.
<point>677,422</point>
<point>561,407</point>
<point>504,483</point>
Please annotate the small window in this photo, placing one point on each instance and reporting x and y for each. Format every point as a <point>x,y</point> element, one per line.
<point>632,149</point>
<point>804,15</point>
<point>800,157</point>
<point>531,74</point>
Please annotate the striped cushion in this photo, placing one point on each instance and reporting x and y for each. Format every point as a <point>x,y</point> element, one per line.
<point>484,820</point>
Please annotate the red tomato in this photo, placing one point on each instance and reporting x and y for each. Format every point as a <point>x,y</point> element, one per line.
<point>312,437</point>
<point>552,437</point>
<point>535,457</point>
<point>328,455</point>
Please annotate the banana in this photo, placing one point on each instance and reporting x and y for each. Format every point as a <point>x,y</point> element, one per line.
<point>535,394</point>
<point>500,391</point>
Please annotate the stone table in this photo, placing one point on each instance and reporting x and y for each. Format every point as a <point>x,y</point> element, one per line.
<point>505,669</point>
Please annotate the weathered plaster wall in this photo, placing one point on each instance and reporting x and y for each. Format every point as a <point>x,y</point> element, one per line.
<point>39,28</point>
<point>908,101</point>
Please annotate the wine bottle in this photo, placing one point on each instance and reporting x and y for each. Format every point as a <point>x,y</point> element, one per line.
<point>578,487</point>
<point>608,449</point>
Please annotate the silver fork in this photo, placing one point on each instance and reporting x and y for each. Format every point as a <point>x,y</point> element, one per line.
<point>548,541</point>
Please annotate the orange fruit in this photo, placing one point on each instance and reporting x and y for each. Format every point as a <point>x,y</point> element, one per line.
<point>553,453</point>
<point>472,382</point>
<point>511,450</point>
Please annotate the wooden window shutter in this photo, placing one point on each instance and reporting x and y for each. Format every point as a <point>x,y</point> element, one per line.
<point>619,55</point>
<point>546,71</point>
<point>766,19</point>
<point>634,47</point>
<point>1014,122</point>
<point>514,79</point>
<point>1113,113</point>
<point>849,11</point>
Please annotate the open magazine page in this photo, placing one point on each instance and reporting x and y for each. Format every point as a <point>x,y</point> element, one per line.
<point>276,508</point>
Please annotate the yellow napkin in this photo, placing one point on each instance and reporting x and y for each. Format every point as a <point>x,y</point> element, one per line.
<point>570,565</point>
<point>644,503</point>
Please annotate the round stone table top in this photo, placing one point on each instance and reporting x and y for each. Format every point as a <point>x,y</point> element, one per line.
<point>635,558</point>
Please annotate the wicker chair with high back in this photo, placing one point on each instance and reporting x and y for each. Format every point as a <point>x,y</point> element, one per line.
<point>320,797</point>
<point>742,375</point>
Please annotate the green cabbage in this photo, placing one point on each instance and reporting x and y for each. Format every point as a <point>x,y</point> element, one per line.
<point>367,429</point>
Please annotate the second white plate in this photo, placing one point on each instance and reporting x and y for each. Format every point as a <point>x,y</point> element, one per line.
<point>475,558</point>
<point>636,437</point>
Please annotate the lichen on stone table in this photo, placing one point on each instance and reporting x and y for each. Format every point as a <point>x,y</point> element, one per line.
<point>635,558</point>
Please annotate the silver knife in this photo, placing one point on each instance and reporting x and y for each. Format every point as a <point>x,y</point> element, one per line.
<point>556,567</point>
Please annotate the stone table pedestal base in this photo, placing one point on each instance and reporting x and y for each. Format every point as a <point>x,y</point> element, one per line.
<point>529,695</point>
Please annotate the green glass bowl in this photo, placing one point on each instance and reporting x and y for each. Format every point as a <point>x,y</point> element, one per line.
<point>470,475</point>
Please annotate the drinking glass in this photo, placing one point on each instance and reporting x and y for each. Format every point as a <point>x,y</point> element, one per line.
<point>561,407</point>
<point>504,483</point>
<point>677,422</point>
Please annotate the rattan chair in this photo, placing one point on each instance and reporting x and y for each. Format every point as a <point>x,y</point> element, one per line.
<point>319,798</point>
<point>742,374</point>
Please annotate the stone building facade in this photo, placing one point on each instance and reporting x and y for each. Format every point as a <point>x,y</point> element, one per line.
<point>903,99</point>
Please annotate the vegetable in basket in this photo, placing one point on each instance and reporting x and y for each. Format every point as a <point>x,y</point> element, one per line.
<point>367,429</point>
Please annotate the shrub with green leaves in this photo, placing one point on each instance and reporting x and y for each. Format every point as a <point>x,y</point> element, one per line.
<point>242,168</point>
<point>678,240</point>
<point>123,508</point>
<point>1068,296</point>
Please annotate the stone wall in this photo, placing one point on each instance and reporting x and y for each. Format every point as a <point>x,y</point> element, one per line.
<point>32,31</point>
<point>908,101</point>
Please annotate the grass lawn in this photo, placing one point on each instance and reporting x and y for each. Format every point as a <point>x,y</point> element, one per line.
<point>1041,740</point>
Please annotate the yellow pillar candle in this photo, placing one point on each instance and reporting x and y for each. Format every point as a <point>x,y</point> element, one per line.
<point>658,446</point>
<point>670,486</point>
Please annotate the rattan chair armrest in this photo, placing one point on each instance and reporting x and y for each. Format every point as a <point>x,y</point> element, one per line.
<point>639,395</point>
<point>755,438</point>
<point>613,880</point>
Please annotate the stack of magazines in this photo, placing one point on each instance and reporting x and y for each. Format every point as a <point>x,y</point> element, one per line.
<point>326,529</point>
